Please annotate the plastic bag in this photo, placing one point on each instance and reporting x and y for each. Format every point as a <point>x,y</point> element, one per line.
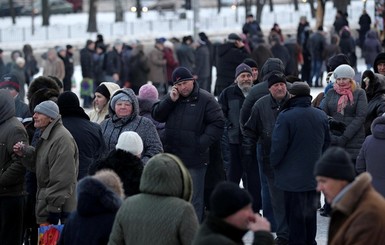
<point>49,234</point>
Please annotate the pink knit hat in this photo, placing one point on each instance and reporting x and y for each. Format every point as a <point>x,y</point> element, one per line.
<point>148,91</point>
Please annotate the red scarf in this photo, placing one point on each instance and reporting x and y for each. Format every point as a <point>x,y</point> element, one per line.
<point>346,95</point>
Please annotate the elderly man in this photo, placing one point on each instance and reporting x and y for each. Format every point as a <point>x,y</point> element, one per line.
<point>55,161</point>
<point>194,121</point>
<point>231,100</point>
<point>358,211</point>
<point>231,217</point>
<point>12,173</point>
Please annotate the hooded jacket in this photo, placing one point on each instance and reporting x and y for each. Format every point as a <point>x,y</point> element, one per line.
<point>372,155</point>
<point>92,221</point>
<point>375,94</point>
<point>97,115</point>
<point>56,162</point>
<point>380,58</point>
<point>114,126</point>
<point>162,212</point>
<point>12,131</point>
<point>371,47</point>
<point>359,216</point>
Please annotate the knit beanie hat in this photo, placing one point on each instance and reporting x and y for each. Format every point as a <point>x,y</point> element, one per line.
<point>250,62</point>
<point>9,81</point>
<point>227,198</point>
<point>335,163</point>
<point>103,90</point>
<point>148,91</point>
<point>120,97</point>
<point>130,141</point>
<point>344,71</point>
<point>300,89</point>
<point>69,105</point>
<point>48,108</point>
<point>337,60</point>
<point>181,74</point>
<point>276,78</point>
<point>241,69</point>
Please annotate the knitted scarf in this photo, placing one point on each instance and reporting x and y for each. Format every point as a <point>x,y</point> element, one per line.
<point>346,95</point>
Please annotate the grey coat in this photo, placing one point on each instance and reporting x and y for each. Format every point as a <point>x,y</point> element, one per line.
<point>372,155</point>
<point>353,117</point>
<point>114,126</point>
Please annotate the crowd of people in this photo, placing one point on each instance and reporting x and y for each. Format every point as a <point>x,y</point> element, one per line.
<point>158,158</point>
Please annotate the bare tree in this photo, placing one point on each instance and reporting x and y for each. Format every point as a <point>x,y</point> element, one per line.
<point>320,13</point>
<point>341,5</point>
<point>296,7</point>
<point>138,9</point>
<point>92,24</point>
<point>119,13</point>
<point>45,12</point>
<point>247,7</point>
<point>312,8</point>
<point>259,7</point>
<point>12,11</point>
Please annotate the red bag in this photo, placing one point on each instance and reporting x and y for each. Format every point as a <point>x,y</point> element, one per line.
<point>50,234</point>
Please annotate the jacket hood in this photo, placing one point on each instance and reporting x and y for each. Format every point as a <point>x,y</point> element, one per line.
<point>135,104</point>
<point>7,106</point>
<point>372,34</point>
<point>112,87</point>
<point>166,175</point>
<point>378,127</point>
<point>271,65</point>
<point>94,198</point>
<point>380,57</point>
<point>376,84</point>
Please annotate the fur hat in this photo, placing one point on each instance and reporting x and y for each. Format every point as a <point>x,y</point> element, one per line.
<point>241,69</point>
<point>148,91</point>
<point>335,163</point>
<point>130,141</point>
<point>344,71</point>
<point>228,198</point>
<point>48,108</point>
<point>276,77</point>
<point>9,81</point>
<point>181,74</point>
<point>300,89</point>
<point>337,60</point>
<point>69,105</point>
<point>111,180</point>
<point>41,89</point>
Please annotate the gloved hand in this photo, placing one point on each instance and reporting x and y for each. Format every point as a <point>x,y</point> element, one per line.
<point>337,128</point>
<point>53,218</point>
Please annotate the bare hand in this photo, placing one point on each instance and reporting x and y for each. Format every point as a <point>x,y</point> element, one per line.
<point>259,224</point>
<point>19,149</point>
<point>174,94</point>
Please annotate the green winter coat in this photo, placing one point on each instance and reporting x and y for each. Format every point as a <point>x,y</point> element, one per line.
<point>162,213</point>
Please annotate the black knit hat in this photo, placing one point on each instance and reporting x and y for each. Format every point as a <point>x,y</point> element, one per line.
<point>181,74</point>
<point>379,59</point>
<point>250,62</point>
<point>276,78</point>
<point>104,91</point>
<point>69,105</point>
<point>227,198</point>
<point>335,163</point>
<point>11,81</point>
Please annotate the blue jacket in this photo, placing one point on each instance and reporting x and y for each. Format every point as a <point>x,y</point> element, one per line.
<point>300,135</point>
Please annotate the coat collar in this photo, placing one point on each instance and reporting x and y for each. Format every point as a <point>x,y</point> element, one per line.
<point>353,195</point>
<point>221,227</point>
<point>50,127</point>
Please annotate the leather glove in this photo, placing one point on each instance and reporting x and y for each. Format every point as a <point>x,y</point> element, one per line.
<point>53,218</point>
<point>337,128</point>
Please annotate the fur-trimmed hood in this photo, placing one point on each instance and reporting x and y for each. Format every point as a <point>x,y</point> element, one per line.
<point>166,175</point>
<point>95,198</point>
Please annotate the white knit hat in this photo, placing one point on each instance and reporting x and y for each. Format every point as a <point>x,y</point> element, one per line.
<point>130,141</point>
<point>344,71</point>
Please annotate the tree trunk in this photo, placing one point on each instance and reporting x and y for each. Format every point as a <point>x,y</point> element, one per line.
<point>219,5</point>
<point>12,11</point>
<point>138,9</point>
<point>119,13</point>
<point>271,5</point>
<point>92,24</point>
<point>259,7</point>
<point>296,7</point>
<point>247,7</point>
<point>341,5</point>
<point>320,13</point>
<point>45,12</point>
<point>312,9</point>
